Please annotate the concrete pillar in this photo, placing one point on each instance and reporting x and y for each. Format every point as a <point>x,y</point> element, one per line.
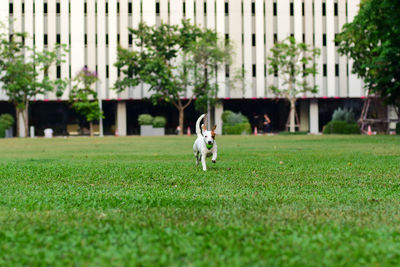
<point>121,118</point>
<point>304,116</point>
<point>219,108</point>
<point>392,117</point>
<point>21,126</point>
<point>314,118</point>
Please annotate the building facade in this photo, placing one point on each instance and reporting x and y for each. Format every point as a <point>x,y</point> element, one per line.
<point>93,28</point>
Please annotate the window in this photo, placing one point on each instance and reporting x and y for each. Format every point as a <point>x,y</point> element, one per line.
<point>130,8</point>
<point>336,9</point>
<point>226,9</point>
<point>11,8</point>
<point>275,37</point>
<point>302,9</point>
<point>254,70</point>
<point>58,8</point>
<point>85,39</point>
<point>227,71</point>
<point>45,41</point>
<point>117,7</point>
<point>304,38</point>
<point>205,8</point>
<point>118,38</point>
<point>106,8</point>
<point>158,8</point>
<point>58,71</point>
<point>106,39</point>
<point>226,38</point>
<point>45,8</point>
<point>96,39</point>
<point>265,70</point>
<point>324,39</point>
<point>324,70</point>
<point>130,39</point>
<point>10,37</point>
<point>107,71</point>
<point>23,8</point>
<point>253,39</point>
<point>275,9</point>
<point>58,39</point>
<point>184,8</point>
<point>323,9</point>
<point>253,8</point>
<point>85,8</point>
<point>337,70</point>
<point>291,9</point>
<point>336,42</point>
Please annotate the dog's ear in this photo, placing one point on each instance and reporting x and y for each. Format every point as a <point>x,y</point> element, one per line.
<point>213,128</point>
<point>203,127</point>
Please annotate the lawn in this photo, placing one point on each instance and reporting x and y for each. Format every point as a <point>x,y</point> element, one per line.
<point>269,200</point>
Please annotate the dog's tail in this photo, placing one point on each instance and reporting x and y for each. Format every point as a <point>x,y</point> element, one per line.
<point>198,130</point>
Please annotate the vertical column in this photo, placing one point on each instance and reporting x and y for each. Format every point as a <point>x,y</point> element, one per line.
<point>269,35</point>
<point>200,13</point>
<point>330,47</point>
<point>210,14</point>
<point>121,118</point>
<point>219,108</point>
<point>112,47</point>
<point>318,44</point>
<point>392,117</point>
<point>190,10</point>
<point>124,33</point>
<point>77,37</point>
<point>149,17</point>
<point>136,18</point>
<point>91,35</point>
<point>298,27</point>
<point>247,49</point>
<point>17,6</point>
<point>39,32</point>
<point>235,34</point>
<point>4,15</point>
<point>101,48</point>
<point>260,56</point>
<point>343,79</point>
<point>314,116</point>
<point>309,32</point>
<point>176,9</point>
<point>64,31</point>
<point>304,116</point>
<point>51,39</point>
<point>220,27</point>
<point>29,23</point>
<point>355,88</point>
<point>164,16</point>
<point>283,9</point>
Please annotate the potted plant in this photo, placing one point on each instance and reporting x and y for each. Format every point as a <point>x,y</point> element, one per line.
<point>158,125</point>
<point>6,123</point>
<point>146,124</point>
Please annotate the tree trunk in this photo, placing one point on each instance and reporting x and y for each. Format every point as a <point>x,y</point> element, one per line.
<point>292,115</point>
<point>22,114</point>
<point>181,117</point>
<point>91,128</point>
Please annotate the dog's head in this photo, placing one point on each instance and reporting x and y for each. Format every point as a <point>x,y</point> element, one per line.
<point>209,136</point>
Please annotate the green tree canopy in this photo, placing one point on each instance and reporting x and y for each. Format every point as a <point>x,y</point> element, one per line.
<point>372,40</point>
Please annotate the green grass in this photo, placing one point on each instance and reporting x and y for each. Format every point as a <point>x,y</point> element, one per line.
<point>269,200</point>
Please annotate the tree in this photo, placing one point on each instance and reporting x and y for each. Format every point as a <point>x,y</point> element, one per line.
<point>292,62</point>
<point>372,40</point>
<point>84,98</point>
<point>168,59</point>
<point>25,77</point>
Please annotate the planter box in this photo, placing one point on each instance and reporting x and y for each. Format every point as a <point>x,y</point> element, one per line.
<point>148,130</point>
<point>9,133</point>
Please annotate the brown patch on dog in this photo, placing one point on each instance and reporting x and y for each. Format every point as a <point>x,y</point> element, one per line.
<point>213,131</point>
<point>203,127</point>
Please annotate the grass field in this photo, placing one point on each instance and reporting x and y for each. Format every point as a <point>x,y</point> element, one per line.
<point>269,200</point>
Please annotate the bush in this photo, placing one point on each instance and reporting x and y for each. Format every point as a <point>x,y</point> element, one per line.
<point>398,128</point>
<point>145,119</point>
<point>6,121</point>
<point>235,123</point>
<point>341,127</point>
<point>346,115</point>
<point>240,128</point>
<point>159,122</point>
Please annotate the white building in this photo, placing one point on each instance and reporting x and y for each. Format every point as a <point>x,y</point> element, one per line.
<point>93,28</point>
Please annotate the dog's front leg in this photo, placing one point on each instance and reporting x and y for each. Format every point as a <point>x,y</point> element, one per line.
<point>203,161</point>
<point>214,156</point>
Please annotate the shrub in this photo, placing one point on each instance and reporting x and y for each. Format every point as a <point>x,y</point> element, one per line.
<point>341,127</point>
<point>145,119</point>
<point>398,128</point>
<point>6,121</point>
<point>159,122</point>
<point>235,123</point>
<point>346,115</point>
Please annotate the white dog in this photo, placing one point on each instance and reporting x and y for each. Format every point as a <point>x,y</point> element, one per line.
<point>205,144</point>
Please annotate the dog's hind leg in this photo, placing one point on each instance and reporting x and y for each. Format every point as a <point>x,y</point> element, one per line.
<point>197,155</point>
